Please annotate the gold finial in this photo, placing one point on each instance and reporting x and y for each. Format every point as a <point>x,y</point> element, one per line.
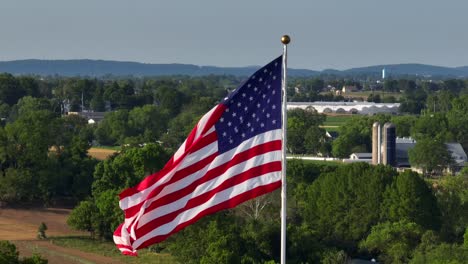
<point>285,39</point>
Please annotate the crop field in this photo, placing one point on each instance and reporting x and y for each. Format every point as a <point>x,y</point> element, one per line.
<point>335,121</point>
<point>101,153</point>
<point>63,245</point>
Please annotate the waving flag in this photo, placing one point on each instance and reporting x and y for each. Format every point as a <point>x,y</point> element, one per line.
<point>232,155</point>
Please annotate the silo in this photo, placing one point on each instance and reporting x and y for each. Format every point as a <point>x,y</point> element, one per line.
<point>389,144</point>
<point>375,143</point>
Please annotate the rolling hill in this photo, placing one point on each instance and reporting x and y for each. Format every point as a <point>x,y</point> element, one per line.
<point>98,68</point>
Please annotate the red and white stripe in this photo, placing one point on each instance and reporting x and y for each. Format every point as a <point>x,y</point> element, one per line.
<point>198,181</point>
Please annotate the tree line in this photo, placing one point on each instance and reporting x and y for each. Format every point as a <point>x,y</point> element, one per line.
<point>336,212</point>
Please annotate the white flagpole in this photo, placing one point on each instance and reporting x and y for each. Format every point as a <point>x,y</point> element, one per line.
<point>285,40</point>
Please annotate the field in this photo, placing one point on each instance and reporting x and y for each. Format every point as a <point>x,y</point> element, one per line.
<point>101,153</point>
<point>333,122</point>
<point>336,120</point>
<point>364,95</point>
<point>64,245</point>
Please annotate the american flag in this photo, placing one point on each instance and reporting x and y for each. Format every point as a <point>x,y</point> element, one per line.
<point>232,155</point>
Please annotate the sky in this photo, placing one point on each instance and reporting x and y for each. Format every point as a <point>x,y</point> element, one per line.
<point>338,34</point>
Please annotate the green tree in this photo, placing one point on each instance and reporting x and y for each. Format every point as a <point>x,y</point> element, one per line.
<point>178,129</point>
<point>120,94</point>
<point>10,89</point>
<point>110,214</point>
<point>413,98</point>
<point>430,126</point>
<point>409,198</point>
<point>295,141</point>
<point>34,259</point>
<point>170,99</point>
<point>17,185</point>
<point>441,253</point>
<point>430,154</point>
<point>457,119</point>
<point>394,242</point>
<point>113,129</point>
<point>355,135</point>
<point>8,253</point>
<point>304,133</point>
<point>97,102</point>
<point>344,204</point>
<point>452,198</point>
<point>85,217</point>
<point>41,231</point>
<point>218,233</point>
<point>128,168</point>
<point>404,124</point>
<point>149,122</point>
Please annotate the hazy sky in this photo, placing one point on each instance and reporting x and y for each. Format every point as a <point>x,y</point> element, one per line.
<point>325,33</point>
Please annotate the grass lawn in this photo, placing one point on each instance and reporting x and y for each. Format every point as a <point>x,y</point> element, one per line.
<point>336,120</point>
<point>108,249</point>
<point>332,128</point>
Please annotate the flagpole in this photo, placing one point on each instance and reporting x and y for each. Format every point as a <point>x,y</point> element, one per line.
<point>285,40</point>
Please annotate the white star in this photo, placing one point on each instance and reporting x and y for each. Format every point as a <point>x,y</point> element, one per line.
<point>224,134</point>
<point>253,115</point>
<point>268,101</point>
<point>258,119</point>
<point>246,108</point>
<point>273,107</point>
<point>268,115</point>
<point>271,72</point>
<point>236,129</point>
<point>225,98</point>
<point>253,76</point>
<point>243,95</point>
<point>229,123</point>
<point>252,130</point>
<point>255,88</point>
<point>262,125</point>
<point>276,63</point>
<point>263,95</point>
<point>248,85</point>
<point>231,141</point>
<point>258,105</point>
<point>274,77</point>
<point>273,122</point>
<point>227,110</point>
<point>265,70</point>
<point>221,119</point>
<point>273,92</point>
<point>263,110</point>
<point>261,79</point>
<point>239,104</point>
<point>243,135</point>
<point>234,114</point>
<point>269,86</point>
<point>248,124</point>
<point>251,98</point>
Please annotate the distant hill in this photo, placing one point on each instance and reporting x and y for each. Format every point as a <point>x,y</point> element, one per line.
<point>98,68</point>
<point>412,69</point>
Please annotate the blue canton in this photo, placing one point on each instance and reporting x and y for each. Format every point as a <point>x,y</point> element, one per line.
<point>253,108</point>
